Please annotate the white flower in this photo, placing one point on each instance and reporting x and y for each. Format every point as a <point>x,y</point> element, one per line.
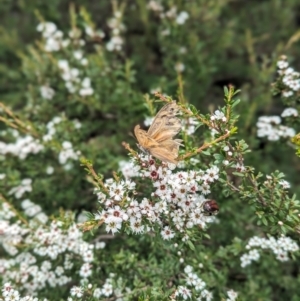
<point>179,67</point>
<point>112,226</point>
<point>188,269</point>
<point>84,61</point>
<point>86,83</point>
<point>182,17</point>
<point>284,184</point>
<point>97,293</point>
<point>47,92</point>
<point>167,233</point>
<point>107,289</point>
<point>63,64</point>
<point>184,292</point>
<point>89,31</point>
<point>86,91</point>
<point>85,270</point>
<point>49,170</point>
<point>86,87</point>
<point>232,295</point>
<point>148,120</point>
<point>78,54</point>
<point>289,112</point>
<point>67,145</point>
<point>76,291</point>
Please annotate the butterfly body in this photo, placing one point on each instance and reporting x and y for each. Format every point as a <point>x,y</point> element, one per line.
<point>158,140</point>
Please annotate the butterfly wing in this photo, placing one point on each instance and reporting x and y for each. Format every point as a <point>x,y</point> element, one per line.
<point>165,117</point>
<point>170,127</point>
<point>143,138</point>
<point>158,141</point>
<point>164,154</point>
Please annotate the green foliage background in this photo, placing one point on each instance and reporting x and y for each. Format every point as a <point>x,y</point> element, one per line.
<point>227,42</point>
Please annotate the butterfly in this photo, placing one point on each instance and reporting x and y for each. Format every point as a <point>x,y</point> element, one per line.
<point>158,140</point>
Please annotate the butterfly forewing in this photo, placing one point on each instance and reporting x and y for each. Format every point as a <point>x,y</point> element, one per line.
<point>162,117</point>
<point>158,141</point>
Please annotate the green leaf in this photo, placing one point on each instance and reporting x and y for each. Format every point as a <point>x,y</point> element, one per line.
<point>191,245</point>
<point>235,102</point>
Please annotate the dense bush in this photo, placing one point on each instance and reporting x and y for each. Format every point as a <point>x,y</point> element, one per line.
<point>86,215</point>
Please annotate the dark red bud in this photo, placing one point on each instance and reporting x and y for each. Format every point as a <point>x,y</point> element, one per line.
<point>211,207</point>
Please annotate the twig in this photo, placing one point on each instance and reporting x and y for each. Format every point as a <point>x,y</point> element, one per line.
<point>204,146</point>
<point>94,174</point>
<point>14,210</point>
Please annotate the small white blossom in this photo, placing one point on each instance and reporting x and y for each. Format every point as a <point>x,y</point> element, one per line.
<point>288,112</point>
<point>47,92</point>
<point>182,17</point>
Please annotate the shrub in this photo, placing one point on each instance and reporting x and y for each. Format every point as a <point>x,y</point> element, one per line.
<point>87,215</point>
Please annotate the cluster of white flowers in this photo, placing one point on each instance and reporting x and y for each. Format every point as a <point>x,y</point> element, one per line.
<point>229,161</point>
<point>50,243</point>
<point>218,115</point>
<point>51,128</point>
<point>12,234</point>
<point>117,27</point>
<point>175,197</point>
<point>72,80</point>
<point>129,169</point>
<point>106,290</point>
<point>67,153</point>
<point>192,280</point>
<point>53,37</point>
<point>54,42</point>
<point>289,77</point>
<point>270,180</point>
<point>189,125</point>
<point>279,247</point>
<point>78,55</point>
<point>180,17</point>
<point>9,293</point>
<point>22,147</point>
<point>34,211</point>
<point>18,191</point>
<point>271,127</point>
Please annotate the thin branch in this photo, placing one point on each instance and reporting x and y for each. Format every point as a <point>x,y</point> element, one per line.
<point>95,176</point>
<point>12,208</point>
<point>205,146</point>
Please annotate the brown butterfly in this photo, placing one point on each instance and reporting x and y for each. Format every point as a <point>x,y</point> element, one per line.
<point>158,140</point>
